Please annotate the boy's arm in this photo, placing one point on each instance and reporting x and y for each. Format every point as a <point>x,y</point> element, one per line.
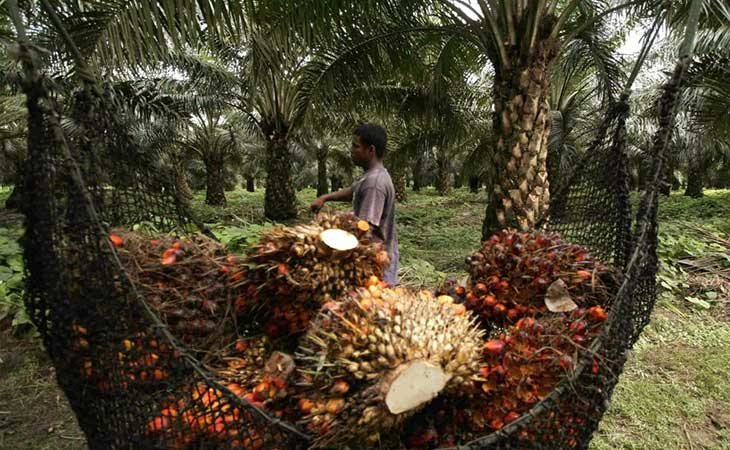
<point>343,195</point>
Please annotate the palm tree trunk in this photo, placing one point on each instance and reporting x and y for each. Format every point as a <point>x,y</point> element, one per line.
<point>443,183</point>
<point>418,174</point>
<point>15,201</point>
<point>322,171</point>
<point>522,124</point>
<point>474,183</point>
<point>695,179</point>
<point>458,180</point>
<point>335,183</point>
<point>181,183</point>
<point>250,183</point>
<point>280,201</point>
<point>399,183</point>
<point>665,188</point>
<point>215,193</point>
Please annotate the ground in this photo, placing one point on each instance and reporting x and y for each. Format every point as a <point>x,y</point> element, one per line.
<point>673,394</point>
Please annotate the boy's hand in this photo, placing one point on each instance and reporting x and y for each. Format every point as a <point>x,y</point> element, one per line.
<point>317,204</point>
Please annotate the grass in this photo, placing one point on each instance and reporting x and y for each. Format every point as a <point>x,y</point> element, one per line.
<point>34,413</point>
<point>673,394</point>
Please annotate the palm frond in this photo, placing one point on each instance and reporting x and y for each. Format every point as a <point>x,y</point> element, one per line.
<point>132,33</point>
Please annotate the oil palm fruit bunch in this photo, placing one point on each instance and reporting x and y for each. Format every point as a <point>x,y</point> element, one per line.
<point>521,365</point>
<point>242,362</point>
<point>200,416</point>
<point>186,281</point>
<point>527,361</point>
<point>525,274</point>
<point>292,271</point>
<point>445,422</point>
<point>373,359</point>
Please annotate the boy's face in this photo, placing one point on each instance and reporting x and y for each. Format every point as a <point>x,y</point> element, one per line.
<point>361,155</point>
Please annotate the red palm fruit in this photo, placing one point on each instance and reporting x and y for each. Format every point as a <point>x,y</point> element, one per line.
<point>471,298</point>
<point>584,274</point>
<point>158,424</point>
<point>237,276</point>
<point>511,416</point>
<point>373,280</point>
<point>525,322</point>
<point>116,240</point>
<point>565,362</point>
<point>597,313</point>
<point>335,405</point>
<point>236,389</point>
<point>168,412</point>
<point>283,269</point>
<point>578,326</point>
<point>340,387</point>
<point>217,428</point>
<point>241,345</point>
<point>460,291</point>
<point>496,424</point>
<point>305,405</point>
<point>494,347</point>
<point>168,257</point>
<point>251,398</point>
<point>271,329</point>
<point>480,289</point>
<point>422,438</point>
<point>499,308</point>
<point>490,301</point>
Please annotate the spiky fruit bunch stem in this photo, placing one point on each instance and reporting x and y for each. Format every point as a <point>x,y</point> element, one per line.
<point>372,360</point>
<point>292,271</point>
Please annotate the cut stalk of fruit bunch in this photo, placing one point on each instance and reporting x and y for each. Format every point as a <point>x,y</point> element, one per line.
<point>374,359</point>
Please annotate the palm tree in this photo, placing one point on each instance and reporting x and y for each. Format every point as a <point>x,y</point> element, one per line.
<point>520,39</point>
<point>321,148</point>
<point>274,85</point>
<point>213,139</point>
<point>701,141</point>
<point>12,146</point>
<point>574,118</point>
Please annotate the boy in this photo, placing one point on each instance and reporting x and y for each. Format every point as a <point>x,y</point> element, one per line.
<point>373,194</point>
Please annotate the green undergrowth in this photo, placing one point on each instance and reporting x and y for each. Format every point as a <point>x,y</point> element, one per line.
<point>675,390</point>
<point>684,224</point>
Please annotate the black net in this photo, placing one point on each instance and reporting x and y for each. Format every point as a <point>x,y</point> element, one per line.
<point>132,385</point>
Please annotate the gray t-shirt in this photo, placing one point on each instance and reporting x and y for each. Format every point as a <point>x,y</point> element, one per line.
<point>373,199</point>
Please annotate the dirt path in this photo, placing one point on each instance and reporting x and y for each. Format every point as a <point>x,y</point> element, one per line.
<point>34,412</point>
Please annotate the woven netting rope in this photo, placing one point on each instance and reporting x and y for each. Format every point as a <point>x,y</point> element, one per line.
<point>82,183</point>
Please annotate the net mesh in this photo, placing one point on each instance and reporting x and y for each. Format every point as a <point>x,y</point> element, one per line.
<point>132,385</point>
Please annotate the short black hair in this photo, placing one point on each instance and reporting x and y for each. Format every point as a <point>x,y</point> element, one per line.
<point>372,134</point>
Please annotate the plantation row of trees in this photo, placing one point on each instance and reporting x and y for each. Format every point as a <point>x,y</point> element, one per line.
<point>497,95</point>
